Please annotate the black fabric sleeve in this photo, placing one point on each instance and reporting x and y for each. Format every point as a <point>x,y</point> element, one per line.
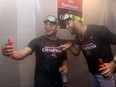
<point>107,35</point>
<point>32,44</point>
<point>64,55</point>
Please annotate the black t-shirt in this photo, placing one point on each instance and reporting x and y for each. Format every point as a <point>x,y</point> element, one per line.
<point>95,45</point>
<point>48,56</point>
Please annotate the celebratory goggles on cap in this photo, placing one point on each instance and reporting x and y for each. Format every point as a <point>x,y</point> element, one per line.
<point>51,19</point>
<point>71,16</point>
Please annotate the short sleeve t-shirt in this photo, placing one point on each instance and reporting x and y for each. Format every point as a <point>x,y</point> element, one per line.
<point>49,56</point>
<point>95,45</point>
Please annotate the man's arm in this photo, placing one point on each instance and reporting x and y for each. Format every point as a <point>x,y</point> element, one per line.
<point>18,54</point>
<point>114,59</point>
<point>75,50</point>
<point>21,54</point>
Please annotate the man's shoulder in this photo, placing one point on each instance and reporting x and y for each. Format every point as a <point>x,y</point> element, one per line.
<point>95,26</point>
<point>38,38</point>
<point>41,37</point>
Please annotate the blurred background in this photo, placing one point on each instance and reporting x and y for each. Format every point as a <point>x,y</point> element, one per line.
<point>22,20</point>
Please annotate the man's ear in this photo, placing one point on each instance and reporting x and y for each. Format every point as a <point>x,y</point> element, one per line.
<point>75,21</point>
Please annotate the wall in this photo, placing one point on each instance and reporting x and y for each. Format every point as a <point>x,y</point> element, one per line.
<point>95,11</point>
<point>9,69</point>
<point>111,17</point>
<point>22,20</point>
<point>25,33</point>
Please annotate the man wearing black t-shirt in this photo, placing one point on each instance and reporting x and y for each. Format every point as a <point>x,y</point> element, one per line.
<point>94,41</point>
<point>51,61</point>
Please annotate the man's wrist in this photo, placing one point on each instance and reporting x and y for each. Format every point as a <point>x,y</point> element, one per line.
<point>70,44</point>
<point>114,61</point>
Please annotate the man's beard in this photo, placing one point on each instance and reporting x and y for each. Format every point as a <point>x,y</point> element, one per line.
<point>73,30</point>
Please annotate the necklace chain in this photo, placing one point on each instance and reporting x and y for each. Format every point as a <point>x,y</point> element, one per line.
<point>83,35</point>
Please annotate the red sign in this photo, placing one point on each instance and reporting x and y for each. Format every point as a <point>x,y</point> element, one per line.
<point>70,4</point>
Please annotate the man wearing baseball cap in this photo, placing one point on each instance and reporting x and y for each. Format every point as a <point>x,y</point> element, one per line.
<point>51,61</point>
<point>94,41</point>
